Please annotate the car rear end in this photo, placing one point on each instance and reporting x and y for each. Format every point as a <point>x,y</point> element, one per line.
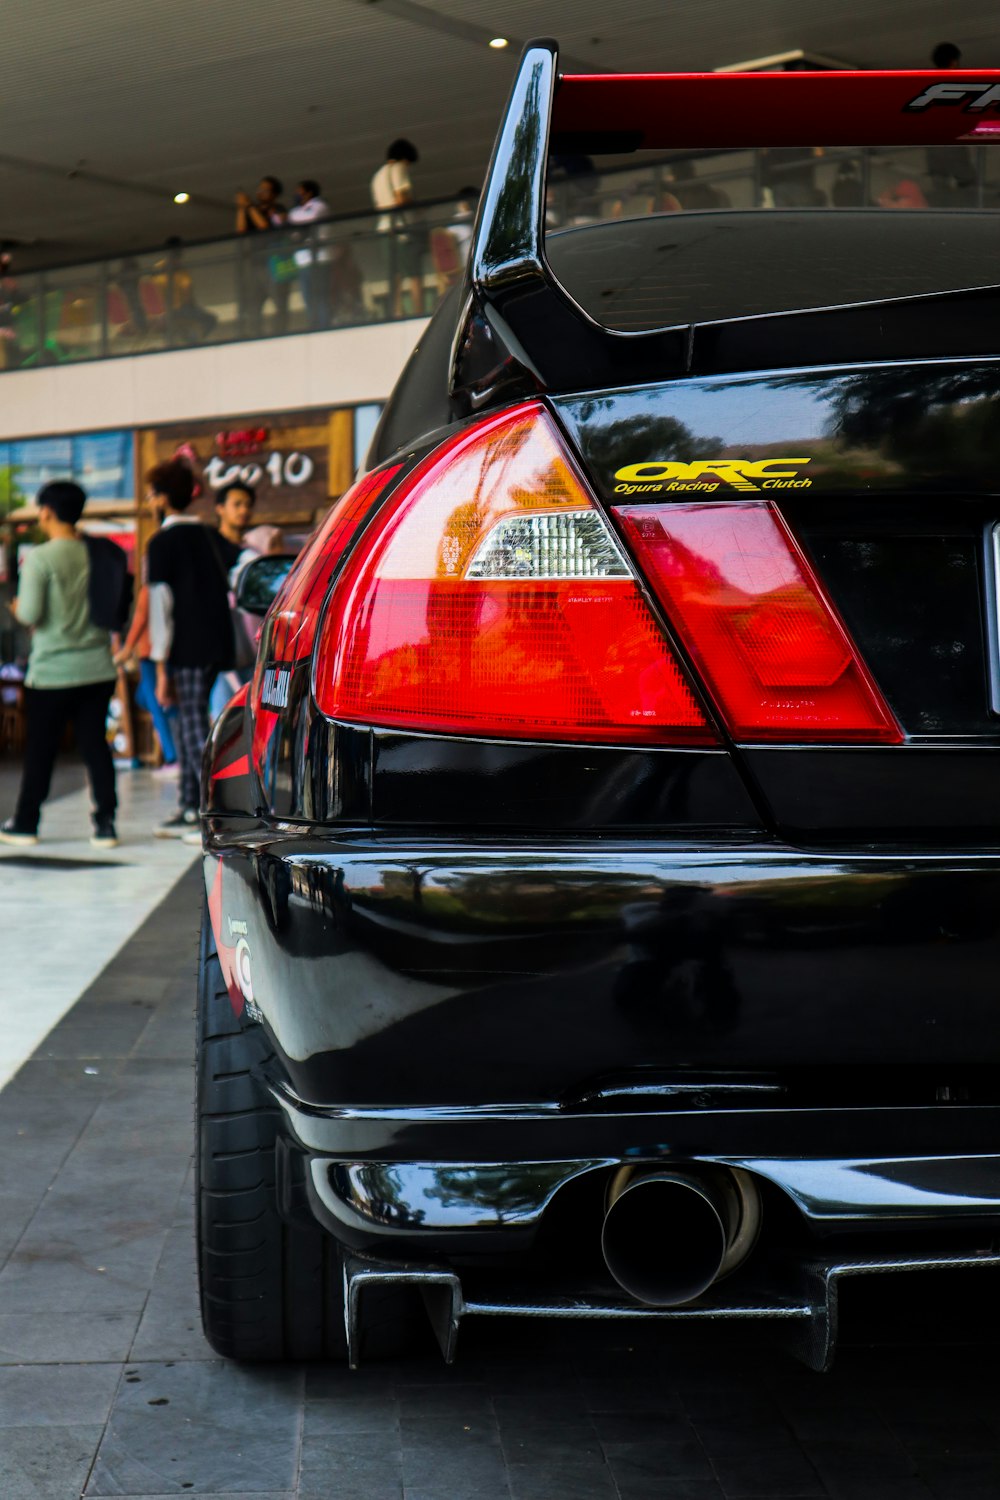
<point>606,850</point>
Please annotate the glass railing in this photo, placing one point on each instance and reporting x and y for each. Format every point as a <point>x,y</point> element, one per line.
<point>371,268</point>
<point>342,272</point>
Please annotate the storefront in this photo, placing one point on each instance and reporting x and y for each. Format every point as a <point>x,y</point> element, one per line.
<point>296,463</point>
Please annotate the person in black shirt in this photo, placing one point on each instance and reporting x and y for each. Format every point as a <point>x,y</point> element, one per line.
<point>191,630</point>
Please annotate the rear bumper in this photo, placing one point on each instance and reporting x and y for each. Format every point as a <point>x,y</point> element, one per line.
<point>398,973</point>
<point>439,1011</point>
<point>919,1171</point>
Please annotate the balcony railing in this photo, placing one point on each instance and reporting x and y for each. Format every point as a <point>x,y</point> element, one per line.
<point>371,268</point>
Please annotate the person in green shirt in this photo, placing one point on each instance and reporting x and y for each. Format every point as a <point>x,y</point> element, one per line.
<point>70,674</point>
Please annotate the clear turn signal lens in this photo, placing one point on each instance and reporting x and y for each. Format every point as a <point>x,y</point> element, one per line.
<point>491,598</point>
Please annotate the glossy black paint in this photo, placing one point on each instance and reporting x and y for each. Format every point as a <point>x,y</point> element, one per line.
<point>528,972</point>
<point>425,781</point>
<point>470,956</point>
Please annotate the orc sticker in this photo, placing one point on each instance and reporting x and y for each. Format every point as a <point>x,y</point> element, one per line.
<point>973,97</point>
<point>705,476</point>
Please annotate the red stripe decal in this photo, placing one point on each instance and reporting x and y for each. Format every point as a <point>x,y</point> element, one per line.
<point>239,767</point>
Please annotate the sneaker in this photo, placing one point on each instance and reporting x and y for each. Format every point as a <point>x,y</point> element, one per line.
<point>169,770</point>
<point>193,838</point>
<point>21,838</point>
<point>185,821</point>
<point>104,835</point>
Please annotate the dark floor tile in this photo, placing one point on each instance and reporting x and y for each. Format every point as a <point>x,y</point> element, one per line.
<point>55,1395</point>
<point>128,983</point>
<point>641,1427</point>
<point>631,1461</point>
<point>554,1445</point>
<point>349,1467</point>
<point>722,1433</point>
<point>574,1481</point>
<point>168,1034</point>
<point>17,1208</point>
<point>211,1426</point>
<point>470,1491</point>
<point>560,1405</point>
<point>77,1337</point>
<point>849,1457</point>
<point>46,1463</point>
<point>456,1467</point>
<point>864,1487</point>
<point>841,1421</point>
<point>357,1415</point>
<point>651,1487</point>
<point>961,1476</point>
<point>112,1032</point>
<point>770,1475</point>
<point>425,1402</point>
<point>171,1320</point>
<point>51,1273</point>
<point>718,1400</point>
<point>968,1435</point>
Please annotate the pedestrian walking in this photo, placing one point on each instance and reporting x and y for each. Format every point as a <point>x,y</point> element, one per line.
<point>71,594</point>
<point>191,634</point>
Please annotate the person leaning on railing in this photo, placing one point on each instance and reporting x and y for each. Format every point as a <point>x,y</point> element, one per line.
<point>269,269</point>
<point>392,190</point>
<point>313,257</point>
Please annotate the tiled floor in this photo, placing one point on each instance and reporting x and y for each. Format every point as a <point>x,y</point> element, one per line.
<point>66,908</point>
<point>107,1387</point>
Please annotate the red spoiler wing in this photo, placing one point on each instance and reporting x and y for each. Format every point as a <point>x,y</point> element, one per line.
<point>778,109</point>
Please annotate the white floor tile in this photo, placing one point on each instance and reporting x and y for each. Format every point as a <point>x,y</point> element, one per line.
<point>60,927</point>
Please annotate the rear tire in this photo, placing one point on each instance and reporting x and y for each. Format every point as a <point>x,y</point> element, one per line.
<point>269,1290</point>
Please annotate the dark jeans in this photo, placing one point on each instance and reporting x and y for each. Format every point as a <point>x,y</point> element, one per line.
<point>48,711</point>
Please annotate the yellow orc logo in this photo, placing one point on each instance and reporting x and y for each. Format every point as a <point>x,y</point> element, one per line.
<point>706,475</point>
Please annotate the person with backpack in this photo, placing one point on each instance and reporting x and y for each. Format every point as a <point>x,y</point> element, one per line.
<point>73,591</point>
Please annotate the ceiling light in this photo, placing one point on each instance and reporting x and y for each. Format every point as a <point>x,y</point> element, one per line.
<point>182,197</point>
<point>498,42</point>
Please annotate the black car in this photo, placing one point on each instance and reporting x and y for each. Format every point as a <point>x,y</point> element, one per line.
<point>603,886</point>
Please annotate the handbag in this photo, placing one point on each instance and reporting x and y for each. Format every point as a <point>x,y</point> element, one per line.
<point>282,268</point>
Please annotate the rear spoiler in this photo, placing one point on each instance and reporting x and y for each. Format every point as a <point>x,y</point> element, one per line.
<point>521,333</point>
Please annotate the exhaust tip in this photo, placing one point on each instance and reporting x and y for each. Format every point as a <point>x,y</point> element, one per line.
<point>667,1236</point>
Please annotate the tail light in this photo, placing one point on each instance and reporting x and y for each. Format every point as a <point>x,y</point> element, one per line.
<point>290,628</point>
<point>295,613</point>
<point>490,597</point>
<point>757,624</point>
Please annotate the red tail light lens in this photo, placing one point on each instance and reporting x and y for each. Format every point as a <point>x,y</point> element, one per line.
<point>491,598</point>
<point>295,612</point>
<point>757,623</point>
<point>290,628</point>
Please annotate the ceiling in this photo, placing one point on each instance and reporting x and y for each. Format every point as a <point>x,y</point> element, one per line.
<point>109,107</point>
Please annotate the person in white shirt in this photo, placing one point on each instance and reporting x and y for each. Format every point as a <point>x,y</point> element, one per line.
<point>313,257</point>
<point>392,189</point>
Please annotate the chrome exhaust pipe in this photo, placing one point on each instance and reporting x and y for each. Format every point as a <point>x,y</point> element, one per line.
<point>669,1233</point>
